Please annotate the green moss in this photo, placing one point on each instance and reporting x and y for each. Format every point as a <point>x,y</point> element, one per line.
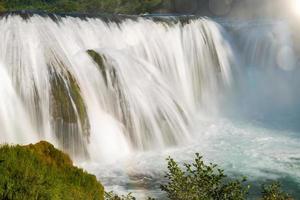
<point>67,109</point>
<point>99,60</point>
<point>66,93</point>
<point>49,154</point>
<point>42,172</point>
<point>113,83</point>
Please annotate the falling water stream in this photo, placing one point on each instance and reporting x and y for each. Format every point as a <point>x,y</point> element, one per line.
<point>121,96</point>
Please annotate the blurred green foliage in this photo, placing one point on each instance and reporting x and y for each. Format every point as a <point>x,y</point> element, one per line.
<point>113,196</point>
<point>198,181</point>
<point>274,192</point>
<point>82,6</point>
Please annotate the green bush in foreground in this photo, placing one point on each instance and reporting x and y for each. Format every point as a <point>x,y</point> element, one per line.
<point>42,172</point>
<point>274,192</point>
<point>113,196</point>
<point>198,181</point>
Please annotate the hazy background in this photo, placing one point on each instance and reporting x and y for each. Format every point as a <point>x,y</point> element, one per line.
<point>287,10</point>
<point>230,8</point>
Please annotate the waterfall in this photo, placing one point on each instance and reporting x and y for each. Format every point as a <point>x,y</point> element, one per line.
<point>101,89</point>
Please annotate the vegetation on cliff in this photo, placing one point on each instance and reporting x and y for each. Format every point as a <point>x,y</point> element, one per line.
<point>42,172</point>
<point>82,6</point>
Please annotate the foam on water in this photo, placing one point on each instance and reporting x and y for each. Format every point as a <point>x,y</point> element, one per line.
<point>240,148</point>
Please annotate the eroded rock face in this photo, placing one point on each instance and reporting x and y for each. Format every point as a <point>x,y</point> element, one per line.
<point>126,105</point>
<point>70,120</point>
<point>99,60</point>
<point>111,79</point>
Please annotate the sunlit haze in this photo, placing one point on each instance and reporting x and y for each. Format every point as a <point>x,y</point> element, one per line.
<point>295,7</point>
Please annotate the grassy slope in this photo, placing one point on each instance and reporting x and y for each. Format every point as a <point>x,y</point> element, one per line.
<point>42,172</point>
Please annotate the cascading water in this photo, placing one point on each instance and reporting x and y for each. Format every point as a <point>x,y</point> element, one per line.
<point>125,91</point>
<point>97,88</point>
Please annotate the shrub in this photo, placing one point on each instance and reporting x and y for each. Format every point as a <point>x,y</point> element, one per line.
<point>42,172</point>
<point>113,196</point>
<point>200,181</point>
<point>274,192</point>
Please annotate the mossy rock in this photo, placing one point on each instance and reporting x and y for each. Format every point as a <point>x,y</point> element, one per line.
<point>69,113</point>
<point>66,94</point>
<point>122,112</point>
<point>111,78</point>
<point>42,172</point>
<point>99,60</point>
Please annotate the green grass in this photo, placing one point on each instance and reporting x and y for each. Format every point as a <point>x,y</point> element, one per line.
<point>42,172</point>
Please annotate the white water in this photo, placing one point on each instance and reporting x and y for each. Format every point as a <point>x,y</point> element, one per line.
<point>166,89</point>
<point>159,80</point>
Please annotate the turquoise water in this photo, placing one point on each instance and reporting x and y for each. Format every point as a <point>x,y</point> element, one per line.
<point>242,148</point>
